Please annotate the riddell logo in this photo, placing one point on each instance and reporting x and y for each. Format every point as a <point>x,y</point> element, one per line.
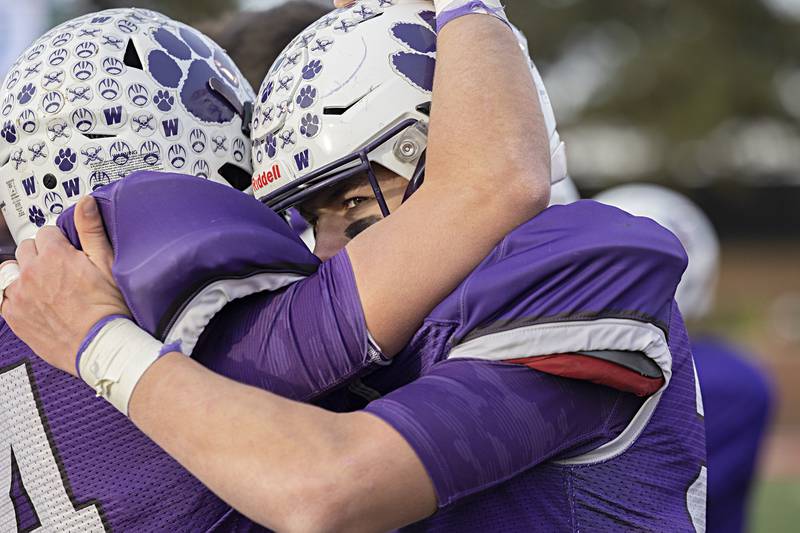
<point>265,178</point>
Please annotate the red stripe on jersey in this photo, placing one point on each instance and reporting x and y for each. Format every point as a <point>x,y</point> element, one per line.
<point>587,368</point>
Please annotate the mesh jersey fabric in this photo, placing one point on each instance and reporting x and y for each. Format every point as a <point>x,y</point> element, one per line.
<point>71,462</point>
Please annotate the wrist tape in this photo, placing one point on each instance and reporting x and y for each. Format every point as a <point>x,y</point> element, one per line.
<point>448,11</point>
<point>114,356</point>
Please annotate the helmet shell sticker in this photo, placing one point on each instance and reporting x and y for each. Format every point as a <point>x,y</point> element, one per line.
<point>76,114</point>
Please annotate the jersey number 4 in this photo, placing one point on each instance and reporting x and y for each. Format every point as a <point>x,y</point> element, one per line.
<point>24,442</point>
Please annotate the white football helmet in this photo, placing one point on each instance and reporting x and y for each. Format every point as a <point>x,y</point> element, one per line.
<point>687,221</point>
<point>353,89</point>
<point>109,93</point>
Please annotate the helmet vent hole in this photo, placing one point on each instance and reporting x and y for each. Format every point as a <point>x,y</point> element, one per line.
<point>344,109</point>
<point>131,58</point>
<point>98,135</point>
<point>49,181</point>
<point>238,177</point>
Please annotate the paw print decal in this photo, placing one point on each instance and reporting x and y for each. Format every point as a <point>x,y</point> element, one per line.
<point>65,159</point>
<point>36,216</point>
<point>307,96</point>
<point>417,64</point>
<point>271,145</point>
<point>309,125</point>
<point>26,93</point>
<point>311,70</point>
<point>265,94</point>
<point>9,132</point>
<point>192,83</point>
<point>163,100</point>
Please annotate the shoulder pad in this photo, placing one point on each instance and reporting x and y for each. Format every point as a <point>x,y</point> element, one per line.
<point>184,247</point>
<point>580,261</point>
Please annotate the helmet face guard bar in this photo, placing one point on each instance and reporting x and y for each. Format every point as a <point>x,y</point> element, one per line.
<point>302,189</point>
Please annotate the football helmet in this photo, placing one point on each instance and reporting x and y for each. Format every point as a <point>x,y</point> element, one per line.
<point>354,89</point>
<point>687,221</point>
<point>109,93</point>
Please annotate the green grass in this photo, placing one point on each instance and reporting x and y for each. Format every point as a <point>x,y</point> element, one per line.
<point>776,507</point>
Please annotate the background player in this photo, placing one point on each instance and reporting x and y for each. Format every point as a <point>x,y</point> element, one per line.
<point>405,457</point>
<point>736,394</point>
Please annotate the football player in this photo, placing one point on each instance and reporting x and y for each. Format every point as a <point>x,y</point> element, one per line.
<point>92,100</point>
<point>737,394</point>
<point>142,102</point>
<point>518,403</point>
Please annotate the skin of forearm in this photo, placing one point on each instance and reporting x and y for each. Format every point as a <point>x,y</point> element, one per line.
<point>484,86</point>
<point>488,171</point>
<point>287,465</point>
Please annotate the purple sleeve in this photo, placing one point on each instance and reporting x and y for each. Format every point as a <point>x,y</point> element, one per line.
<point>475,424</point>
<point>299,343</point>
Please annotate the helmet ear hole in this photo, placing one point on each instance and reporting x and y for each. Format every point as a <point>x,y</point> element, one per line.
<point>131,58</point>
<point>238,177</point>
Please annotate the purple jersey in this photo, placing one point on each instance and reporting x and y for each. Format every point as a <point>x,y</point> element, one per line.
<point>71,462</point>
<point>737,398</point>
<point>508,447</point>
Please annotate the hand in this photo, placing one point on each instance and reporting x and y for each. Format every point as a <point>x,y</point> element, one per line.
<point>62,292</point>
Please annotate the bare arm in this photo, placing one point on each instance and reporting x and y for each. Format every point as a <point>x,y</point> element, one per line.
<point>488,171</point>
<point>287,465</point>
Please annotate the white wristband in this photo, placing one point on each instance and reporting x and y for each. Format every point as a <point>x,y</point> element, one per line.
<point>115,360</point>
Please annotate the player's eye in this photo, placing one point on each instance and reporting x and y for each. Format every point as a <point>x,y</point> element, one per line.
<point>354,201</point>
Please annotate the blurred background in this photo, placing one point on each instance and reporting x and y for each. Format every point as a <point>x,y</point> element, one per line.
<point>703,97</point>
